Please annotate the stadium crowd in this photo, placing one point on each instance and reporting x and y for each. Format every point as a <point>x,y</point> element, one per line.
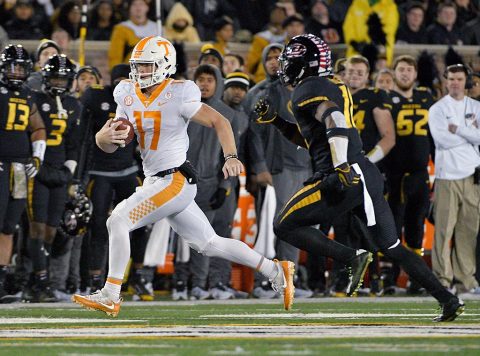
<point>56,196</point>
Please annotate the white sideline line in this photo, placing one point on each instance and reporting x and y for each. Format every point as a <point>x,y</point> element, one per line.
<point>250,331</point>
<point>43,320</point>
<point>320,315</point>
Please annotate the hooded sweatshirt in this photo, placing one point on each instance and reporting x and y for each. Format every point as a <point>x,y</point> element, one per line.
<point>268,149</point>
<point>187,34</point>
<point>205,151</point>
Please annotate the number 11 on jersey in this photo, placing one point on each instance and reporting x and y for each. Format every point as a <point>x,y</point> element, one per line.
<point>142,120</point>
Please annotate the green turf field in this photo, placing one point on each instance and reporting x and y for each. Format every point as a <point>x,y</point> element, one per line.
<point>314,326</point>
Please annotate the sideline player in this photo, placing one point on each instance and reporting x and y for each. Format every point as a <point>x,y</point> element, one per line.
<point>160,109</point>
<point>18,116</point>
<point>344,180</point>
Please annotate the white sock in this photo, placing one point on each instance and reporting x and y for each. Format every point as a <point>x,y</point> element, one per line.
<point>119,246</point>
<point>268,268</point>
<point>239,252</point>
<point>112,290</point>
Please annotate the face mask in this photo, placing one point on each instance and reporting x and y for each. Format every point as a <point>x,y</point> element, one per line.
<point>179,28</point>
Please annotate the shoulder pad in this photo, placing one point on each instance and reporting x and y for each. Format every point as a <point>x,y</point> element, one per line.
<point>124,87</point>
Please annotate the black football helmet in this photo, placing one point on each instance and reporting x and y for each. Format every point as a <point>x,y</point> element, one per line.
<point>304,56</point>
<point>15,66</point>
<point>58,74</point>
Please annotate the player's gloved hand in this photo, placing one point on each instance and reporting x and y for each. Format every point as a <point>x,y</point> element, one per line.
<point>347,175</point>
<point>264,112</point>
<point>32,166</point>
<point>218,198</point>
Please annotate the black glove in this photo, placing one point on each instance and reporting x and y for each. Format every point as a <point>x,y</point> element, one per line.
<point>347,175</point>
<point>32,166</point>
<point>264,112</point>
<point>218,198</point>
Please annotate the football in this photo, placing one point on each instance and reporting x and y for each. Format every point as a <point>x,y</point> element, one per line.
<point>124,125</point>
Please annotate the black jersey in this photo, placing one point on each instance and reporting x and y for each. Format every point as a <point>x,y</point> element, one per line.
<point>306,97</point>
<point>412,149</point>
<point>98,107</point>
<point>15,110</point>
<point>364,102</point>
<point>63,138</point>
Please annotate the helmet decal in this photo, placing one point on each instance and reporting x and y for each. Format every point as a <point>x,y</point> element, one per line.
<point>304,56</point>
<point>153,60</point>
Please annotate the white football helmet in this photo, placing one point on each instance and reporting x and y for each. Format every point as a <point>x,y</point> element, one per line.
<point>157,51</point>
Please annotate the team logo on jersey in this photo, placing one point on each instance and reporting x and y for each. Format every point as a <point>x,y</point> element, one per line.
<point>105,106</point>
<point>128,100</point>
<point>168,95</point>
<point>3,90</point>
<point>46,107</point>
<point>396,99</point>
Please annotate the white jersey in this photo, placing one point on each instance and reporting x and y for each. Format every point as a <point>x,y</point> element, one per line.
<point>160,121</point>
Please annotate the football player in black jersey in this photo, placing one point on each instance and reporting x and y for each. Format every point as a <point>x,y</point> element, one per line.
<point>113,177</point>
<point>407,164</point>
<point>47,193</point>
<point>20,127</point>
<point>371,110</point>
<point>344,180</point>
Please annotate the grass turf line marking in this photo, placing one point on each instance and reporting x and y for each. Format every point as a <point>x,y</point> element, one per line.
<point>298,331</point>
<point>43,320</point>
<point>321,315</point>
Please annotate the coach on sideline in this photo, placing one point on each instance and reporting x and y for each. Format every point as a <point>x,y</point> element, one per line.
<point>454,123</point>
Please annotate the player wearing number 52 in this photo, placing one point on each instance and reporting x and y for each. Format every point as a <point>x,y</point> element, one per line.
<point>160,110</point>
<point>47,192</point>
<point>407,163</point>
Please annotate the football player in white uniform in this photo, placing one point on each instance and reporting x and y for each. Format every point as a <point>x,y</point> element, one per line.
<point>160,109</point>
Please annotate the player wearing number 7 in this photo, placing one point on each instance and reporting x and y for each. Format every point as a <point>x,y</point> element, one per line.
<point>407,163</point>
<point>160,110</point>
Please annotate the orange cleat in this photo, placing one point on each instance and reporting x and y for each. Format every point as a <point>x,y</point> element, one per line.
<point>98,301</point>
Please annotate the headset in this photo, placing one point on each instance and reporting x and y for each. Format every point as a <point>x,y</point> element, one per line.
<point>468,72</point>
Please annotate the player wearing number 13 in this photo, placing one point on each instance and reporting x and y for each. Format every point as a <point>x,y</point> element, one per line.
<point>407,163</point>
<point>19,119</point>
<point>160,109</point>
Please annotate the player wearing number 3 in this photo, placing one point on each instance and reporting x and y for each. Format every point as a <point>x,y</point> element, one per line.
<point>160,110</point>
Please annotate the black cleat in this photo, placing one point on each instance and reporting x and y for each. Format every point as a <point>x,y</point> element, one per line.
<point>139,287</point>
<point>450,310</point>
<point>356,270</point>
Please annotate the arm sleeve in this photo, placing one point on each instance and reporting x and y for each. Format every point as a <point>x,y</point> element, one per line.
<point>438,125</point>
<point>191,100</point>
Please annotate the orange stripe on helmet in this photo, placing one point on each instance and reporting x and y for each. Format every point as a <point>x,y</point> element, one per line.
<point>140,46</point>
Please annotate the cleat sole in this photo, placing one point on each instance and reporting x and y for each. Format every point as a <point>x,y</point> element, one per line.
<point>355,291</point>
<point>289,293</point>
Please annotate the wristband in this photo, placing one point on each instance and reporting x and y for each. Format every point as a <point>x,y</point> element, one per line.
<point>231,155</point>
